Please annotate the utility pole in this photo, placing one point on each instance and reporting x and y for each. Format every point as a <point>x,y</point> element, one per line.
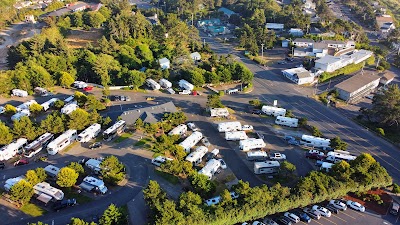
<point>192,19</point>
<point>262,51</point>
<point>377,63</point>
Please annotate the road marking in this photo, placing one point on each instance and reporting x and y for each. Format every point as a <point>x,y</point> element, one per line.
<point>348,215</point>
<point>329,220</point>
<point>360,214</point>
<point>339,218</point>
<point>317,222</point>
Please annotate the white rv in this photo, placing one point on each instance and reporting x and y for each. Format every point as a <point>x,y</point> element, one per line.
<point>235,136</point>
<point>37,145</point>
<point>180,130</point>
<point>251,143</point>
<point>45,188</point>
<point>229,126</point>
<point>94,165</point>
<point>212,166</point>
<point>219,112</point>
<point>69,99</point>
<point>152,84</point>
<point>326,166</point>
<point>267,167</point>
<point>19,93</point>
<point>116,129</point>
<point>273,111</point>
<point>61,142</point>
<point>257,156</point>
<point>196,157</point>
<point>79,84</point>
<point>338,155</point>
<point>19,115</point>
<point>11,181</point>
<point>93,184</point>
<point>287,121</point>
<point>9,151</point>
<point>52,171</point>
<point>25,105</point>
<point>171,91</point>
<point>186,85</point>
<point>317,142</point>
<point>46,105</point>
<point>165,83</point>
<point>69,108</point>
<point>89,133</point>
<point>191,141</point>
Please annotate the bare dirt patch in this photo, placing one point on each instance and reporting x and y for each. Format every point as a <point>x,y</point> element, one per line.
<point>373,205</point>
<point>80,38</point>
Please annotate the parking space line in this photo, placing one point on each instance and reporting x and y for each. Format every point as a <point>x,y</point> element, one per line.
<point>348,215</point>
<point>329,220</point>
<point>317,222</point>
<point>339,218</point>
<point>360,214</point>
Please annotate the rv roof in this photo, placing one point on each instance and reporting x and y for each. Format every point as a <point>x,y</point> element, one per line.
<point>257,153</point>
<point>267,164</point>
<point>93,181</point>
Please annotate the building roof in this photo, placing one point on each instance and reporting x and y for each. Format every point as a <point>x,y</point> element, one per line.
<point>78,6</point>
<point>333,42</point>
<point>150,114</point>
<point>328,59</point>
<point>226,11</point>
<point>356,82</point>
<point>274,25</point>
<point>59,12</point>
<point>384,19</point>
<point>320,45</point>
<point>163,60</point>
<point>303,40</point>
<point>301,72</point>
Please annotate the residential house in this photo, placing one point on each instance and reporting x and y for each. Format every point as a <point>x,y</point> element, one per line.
<point>275,26</point>
<point>227,12</point>
<point>385,24</point>
<point>210,22</point>
<point>303,42</point>
<point>79,6</point>
<point>296,32</point>
<point>320,49</point>
<point>335,44</point>
<point>357,86</point>
<point>285,43</point>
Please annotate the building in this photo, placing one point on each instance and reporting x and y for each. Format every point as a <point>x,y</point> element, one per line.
<point>164,63</point>
<point>320,49</point>
<point>209,22</point>
<point>303,42</point>
<point>150,114</point>
<point>299,75</point>
<point>296,32</point>
<point>216,30</point>
<point>360,55</point>
<point>195,56</point>
<point>385,24</point>
<point>386,78</point>
<point>78,7</point>
<point>275,26</point>
<point>227,12</point>
<point>285,43</point>
<point>357,86</point>
<point>330,63</point>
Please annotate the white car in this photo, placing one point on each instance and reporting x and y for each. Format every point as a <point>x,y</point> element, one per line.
<point>292,217</point>
<point>223,164</point>
<point>338,204</point>
<point>192,127</point>
<point>277,156</point>
<point>258,223</point>
<point>2,109</point>
<point>247,127</point>
<point>325,212</point>
<point>160,160</point>
<point>356,206</point>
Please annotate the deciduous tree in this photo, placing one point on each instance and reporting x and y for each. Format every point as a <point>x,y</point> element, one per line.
<point>77,167</point>
<point>25,128</point>
<point>5,134</point>
<point>78,119</point>
<point>67,177</point>
<point>21,192</point>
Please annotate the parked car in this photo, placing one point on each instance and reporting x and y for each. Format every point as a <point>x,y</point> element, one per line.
<point>88,88</point>
<point>247,127</point>
<point>2,165</point>
<point>64,204</point>
<point>292,217</point>
<point>192,127</point>
<point>312,213</point>
<point>338,204</point>
<point>212,154</point>
<point>257,223</point>
<point>223,164</point>
<point>268,221</point>
<point>96,145</point>
<point>315,156</point>
<point>332,208</point>
<point>394,210</point>
<point>284,221</point>
<point>21,162</point>
<point>256,111</point>
<point>355,205</point>
<point>119,98</point>
<point>277,156</point>
<point>160,160</point>
<point>303,216</point>
<point>325,212</point>
<point>205,142</point>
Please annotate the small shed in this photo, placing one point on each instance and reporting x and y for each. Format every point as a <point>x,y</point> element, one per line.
<point>195,56</point>
<point>386,78</point>
<point>164,63</point>
<point>285,43</point>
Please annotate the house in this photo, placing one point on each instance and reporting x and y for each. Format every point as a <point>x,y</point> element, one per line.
<point>195,56</point>
<point>164,63</point>
<point>357,86</point>
<point>79,6</point>
<point>302,52</point>
<point>150,114</point>
<point>299,75</point>
<point>320,49</point>
<point>227,12</point>
<point>330,63</point>
<point>360,55</point>
<point>335,44</point>
<point>303,42</point>
<point>296,32</point>
<point>59,12</point>
<point>275,26</point>
<point>386,78</point>
<point>209,22</point>
<point>385,24</point>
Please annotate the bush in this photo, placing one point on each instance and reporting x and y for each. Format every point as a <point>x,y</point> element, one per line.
<point>396,188</point>
<point>221,93</point>
<point>316,132</point>
<point>255,102</point>
<point>380,131</point>
<point>303,122</point>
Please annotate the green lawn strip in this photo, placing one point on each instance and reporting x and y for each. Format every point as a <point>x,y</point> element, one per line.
<point>80,198</point>
<point>123,137</point>
<point>32,210</point>
<point>168,177</point>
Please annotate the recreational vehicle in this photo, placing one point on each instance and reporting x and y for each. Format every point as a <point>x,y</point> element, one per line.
<point>235,136</point>
<point>93,184</point>
<point>212,166</point>
<point>9,151</point>
<point>37,145</point>
<point>229,126</point>
<point>186,85</point>
<point>196,157</point>
<point>17,116</point>
<point>171,91</point>
<point>89,133</point>
<point>165,83</point>
<point>338,155</point>
<point>46,105</point>
<point>257,156</point>
<point>19,93</point>
<point>191,141</point>
<point>326,166</point>
<point>94,165</point>
<point>268,167</point>
<point>69,108</point>
<point>116,129</point>
<point>180,130</point>
<point>11,181</point>
<point>273,111</point>
<point>45,188</point>
<point>61,142</point>
<point>79,84</point>
<point>152,84</point>
<point>219,112</point>
<point>317,142</point>
<point>69,99</point>
<point>251,143</point>
<point>52,171</point>
<point>25,105</point>
<point>287,121</point>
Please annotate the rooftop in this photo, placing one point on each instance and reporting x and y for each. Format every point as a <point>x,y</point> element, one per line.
<point>151,114</point>
<point>226,11</point>
<point>356,82</point>
<point>296,70</point>
<point>328,59</point>
<point>320,45</point>
<point>303,40</point>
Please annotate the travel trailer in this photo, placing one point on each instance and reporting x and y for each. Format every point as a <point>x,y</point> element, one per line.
<point>63,141</point>
<point>152,84</point>
<point>191,141</point>
<point>46,105</point>
<point>316,142</point>
<point>235,136</point>
<point>37,145</point>
<point>17,116</point>
<point>287,121</point>
<point>89,133</point>
<point>45,188</point>
<point>25,105</point>
<point>273,111</point>
<point>180,130</point>
<point>251,143</point>
<point>52,171</point>
<point>267,167</point>
<point>229,126</point>
<point>212,166</point>
<point>69,108</point>
<point>257,156</point>
<point>165,83</point>
<point>338,155</point>
<point>219,112</point>
<point>116,129</point>
<point>9,151</point>
<point>186,85</point>
<point>94,165</point>
<point>93,184</point>
<point>19,93</point>
<point>196,157</point>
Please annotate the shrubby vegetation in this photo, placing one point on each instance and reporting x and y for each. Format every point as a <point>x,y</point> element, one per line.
<point>112,170</point>
<point>349,69</point>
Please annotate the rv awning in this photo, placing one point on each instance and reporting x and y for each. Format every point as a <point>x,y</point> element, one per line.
<point>86,187</point>
<point>44,198</point>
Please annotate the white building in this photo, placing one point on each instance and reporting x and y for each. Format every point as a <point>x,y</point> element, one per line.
<point>195,56</point>
<point>212,166</point>
<point>357,86</point>
<point>191,141</point>
<point>219,112</point>
<point>330,63</point>
<point>303,42</point>
<point>275,26</point>
<point>299,75</point>
<point>164,63</point>
<point>296,32</point>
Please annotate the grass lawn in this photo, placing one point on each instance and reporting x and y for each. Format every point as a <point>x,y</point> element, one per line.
<point>33,210</point>
<point>123,137</point>
<point>168,177</point>
<point>80,198</point>
<point>69,147</point>
<point>142,142</point>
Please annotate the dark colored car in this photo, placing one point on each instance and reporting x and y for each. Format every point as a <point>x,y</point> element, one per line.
<point>314,156</point>
<point>289,59</point>
<point>284,221</point>
<point>2,165</point>
<point>96,145</point>
<point>21,162</point>
<point>303,216</point>
<point>64,204</point>
<point>332,208</point>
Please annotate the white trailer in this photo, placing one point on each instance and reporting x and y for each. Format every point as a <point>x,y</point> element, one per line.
<point>9,151</point>
<point>25,105</point>
<point>69,99</point>
<point>165,83</point>
<point>12,181</point>
<point>61,142</point>
<point>326,166</point>
<point>79,84</point>
<point>257,156</point>
<point>116,129</point>
<point>235,136</point>
<point>219,112</point>
<point>171,91</point>
<point>47,189</point>
<point>19,93</point>
<point>89,133</point>
<point>186,85</point>
<point>180,130</point>
<point>287,121</point>
<point>191,141</point>
<point>196,157</point>
<point>93,184</point>
<point>251,143</point>
<point>268,167</point>
<point>94,165</point>
<point>52,171</point>
<point>229,126</point>
<point>152,84</point>
<point>46,105</point>
<point>338,155</point>
<point>273,111</point>
<point>69,108</point>
<point>37,145</point>
<point>212,166</point>
<point>18,115</point>
<point>313,141</point>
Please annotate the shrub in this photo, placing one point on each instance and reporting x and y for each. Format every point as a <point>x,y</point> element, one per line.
<point>303,122</point>
<point>380,131</point>
<point>316,132</point>
<point>396,188</point>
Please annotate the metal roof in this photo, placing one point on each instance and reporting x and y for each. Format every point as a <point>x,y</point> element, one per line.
<point>151,114</point>
<point>356,82</point>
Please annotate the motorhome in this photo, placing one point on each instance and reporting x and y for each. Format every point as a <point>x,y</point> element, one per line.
<point>69,99</point>
<point>191,141</point>
<point>116,129</point>
<point>165,83</point>
<point>69,108</point>
<point>268,167</point>
<point>152,84</point>
<point>79,84</point>
<point>17,116</point>
<point>94,165</point>
<point>19,93</point>
<point>326,166</point>
<point>316,142</point>
<point>257,156</point>
<point>273,111</point>
<point>52,171</point>
<point>47,189</point>
<point>229,126</point>
<point>235,136</point>
<point>216,200</point>
<point>338,155</point>
<point>25,105</point>
<point>9,151</point>
<point>219,112</point>
<point>89,133</point>
<point>186,85</point>
<point>46,105</point>
<point>37,145</point>
<point>93,184</point>
<point>12,181</point>
<point>251,143</point>
<point>287,121</point>
<point>61,142</point>
<point>196,157</point>
<point>212,166</point>
<point>180,130</point>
